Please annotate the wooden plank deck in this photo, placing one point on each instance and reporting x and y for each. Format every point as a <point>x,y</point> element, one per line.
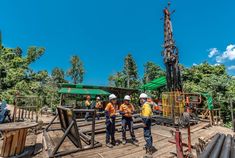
<point>161,135</point>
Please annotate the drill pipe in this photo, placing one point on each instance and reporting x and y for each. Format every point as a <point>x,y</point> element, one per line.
<point>206,152</point>
<point>225,153</point>
<point>233,148</point>
<point>217,149</point>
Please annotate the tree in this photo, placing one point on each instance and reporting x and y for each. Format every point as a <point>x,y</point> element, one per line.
<point>76,72</point>
<point>212,79</point>
<point>19,77</point>
<point>117,80</point>
<point>58,75</point>
<point>151,72</point>
<point>18,51</point>
<point>130,71</point>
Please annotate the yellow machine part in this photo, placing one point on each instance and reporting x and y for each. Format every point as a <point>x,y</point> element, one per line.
<point>169,100</point>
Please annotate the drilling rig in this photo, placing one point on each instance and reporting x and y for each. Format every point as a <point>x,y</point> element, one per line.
<point>174,100</point>
<point>171,54</point>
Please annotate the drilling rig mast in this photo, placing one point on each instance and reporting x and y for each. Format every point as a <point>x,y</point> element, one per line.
<point>171,54</point>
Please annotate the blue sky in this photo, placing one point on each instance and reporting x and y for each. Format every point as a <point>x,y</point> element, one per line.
<point>103,32</point>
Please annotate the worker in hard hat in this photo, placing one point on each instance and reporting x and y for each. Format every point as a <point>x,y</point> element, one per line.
<point>146,114</point>
<point>126,110</point>
<point>88,104</point>
<point>99,107</point>
<point>110,113</point>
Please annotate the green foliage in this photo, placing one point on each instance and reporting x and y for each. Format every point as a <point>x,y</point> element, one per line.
<point>117,79</point>
<point>58,75</point>
<point>130,71</point>
<point>22,80</point>
<point>151,72</point>
<point>76,72</point>
<point>212,79</point>
<point>128,77</point>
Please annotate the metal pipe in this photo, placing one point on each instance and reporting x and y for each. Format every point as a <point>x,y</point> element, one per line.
<point>217,149</point>
<point>225,153</point>
<point>209,147</point>
<point>232,155</point>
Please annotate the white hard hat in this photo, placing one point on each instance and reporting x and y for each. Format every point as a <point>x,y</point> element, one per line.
<point>98,98</point>
<point>143,96</point>
<point>112,96</point>
<point>127,97</point>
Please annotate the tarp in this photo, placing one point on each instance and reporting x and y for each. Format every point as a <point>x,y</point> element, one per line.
<point>209,100</point>
<point>155,84</point>
<point>83,91</point>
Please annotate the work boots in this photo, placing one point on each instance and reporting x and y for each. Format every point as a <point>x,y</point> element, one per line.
<point>123,141</point>
<point>149,150</point>
<point>114,143</point>
<point>109,145</point>
<point>135,142</point>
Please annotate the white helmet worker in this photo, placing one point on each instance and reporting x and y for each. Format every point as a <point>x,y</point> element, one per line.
<point>127,97</point>
<point>143,96</point>
<point>112,96</point>
<point>98,98</point>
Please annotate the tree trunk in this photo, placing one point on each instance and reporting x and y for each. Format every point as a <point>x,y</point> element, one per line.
<point>128,82</point>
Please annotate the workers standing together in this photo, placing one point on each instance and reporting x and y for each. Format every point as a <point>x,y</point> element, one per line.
<point>146,114</point>
<point>126,110</point>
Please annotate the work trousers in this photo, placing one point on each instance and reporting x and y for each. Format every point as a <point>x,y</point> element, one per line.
<point>127,121</point>
<point>110,130</point>
<point>87,114</point>
<point>147,133</point>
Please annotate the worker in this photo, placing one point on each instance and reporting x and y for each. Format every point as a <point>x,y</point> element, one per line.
<point>110,114</point>
<point>126,110</point>
<point>98,107</point>
<point>146,114</point>
<point>88,104</point>
<point>4,111</point>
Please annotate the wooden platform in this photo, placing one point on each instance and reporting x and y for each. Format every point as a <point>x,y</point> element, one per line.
<point>161,135</point>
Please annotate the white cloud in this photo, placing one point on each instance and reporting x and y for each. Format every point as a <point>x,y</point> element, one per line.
<point>229,54</point>
<point>213,52</point>
<point>194,64</point>
<point>231,67</point>
<point>217,64</point>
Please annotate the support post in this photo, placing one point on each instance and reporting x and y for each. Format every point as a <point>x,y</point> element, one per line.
<point>93,129</point>
<point>189,140</point>
<point>179,146</point>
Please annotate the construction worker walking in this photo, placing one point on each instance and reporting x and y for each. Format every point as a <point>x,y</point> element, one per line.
<point>146,114</point>
<point>110,113</point>
<point>126,110</point>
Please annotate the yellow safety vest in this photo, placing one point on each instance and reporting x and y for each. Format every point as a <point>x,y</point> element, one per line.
<point>146,110</point>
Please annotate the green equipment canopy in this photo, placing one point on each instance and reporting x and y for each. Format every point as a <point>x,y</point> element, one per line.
<point>83,91</point>
<point>155,84</point>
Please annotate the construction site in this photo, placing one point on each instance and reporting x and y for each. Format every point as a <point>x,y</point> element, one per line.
<point>183,124</point>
